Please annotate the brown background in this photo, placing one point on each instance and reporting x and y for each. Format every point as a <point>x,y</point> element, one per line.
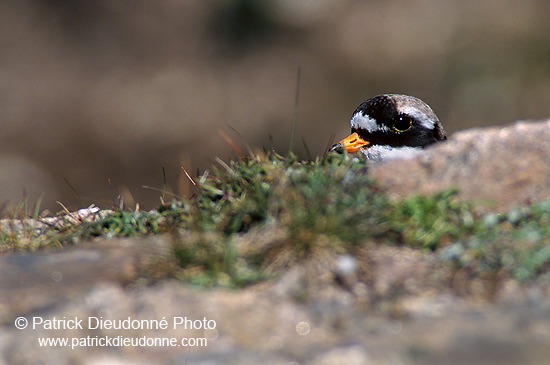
<point>97,90</point>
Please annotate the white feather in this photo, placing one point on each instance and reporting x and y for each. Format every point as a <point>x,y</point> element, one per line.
<point>416,114</point>
<point>360,121</point>
<point>383,153</point>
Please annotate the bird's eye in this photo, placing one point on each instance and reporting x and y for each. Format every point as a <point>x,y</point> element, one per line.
<point>402,124</point>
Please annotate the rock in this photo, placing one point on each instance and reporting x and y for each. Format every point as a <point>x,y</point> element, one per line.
<point>291,320</point>
<point>254,324</point>
<point>506,166</point>
<point>33,281</point>
<point>19,226</point>
<point>351,355</point>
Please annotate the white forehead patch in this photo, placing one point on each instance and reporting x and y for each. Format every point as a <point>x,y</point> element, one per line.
<point>418,115</point>
<point>360,121</point>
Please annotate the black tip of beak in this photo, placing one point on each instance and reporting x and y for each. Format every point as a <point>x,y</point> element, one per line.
<point>338,147</point>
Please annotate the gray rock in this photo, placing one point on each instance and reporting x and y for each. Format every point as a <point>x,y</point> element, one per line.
<point>33,281</point>
<point>397,318</point>
<point>348,355</point>
<point>505,166</point>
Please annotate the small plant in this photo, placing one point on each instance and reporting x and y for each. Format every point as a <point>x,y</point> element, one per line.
<point>431,221</point>
<point>324,207</point>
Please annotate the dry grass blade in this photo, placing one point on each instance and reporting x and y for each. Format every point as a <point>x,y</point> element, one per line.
<point>188,176</point>
<point>232,143</point>
<point>248,148</point>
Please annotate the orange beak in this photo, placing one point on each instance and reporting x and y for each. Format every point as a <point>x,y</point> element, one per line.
<point>351,144</point>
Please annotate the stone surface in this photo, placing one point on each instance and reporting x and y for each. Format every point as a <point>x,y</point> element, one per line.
<point>503,166</point>
<point>402,310</point>
<point>34,281</point>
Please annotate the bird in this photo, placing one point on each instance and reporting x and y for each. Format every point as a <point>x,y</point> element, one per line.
<point>390,126</point>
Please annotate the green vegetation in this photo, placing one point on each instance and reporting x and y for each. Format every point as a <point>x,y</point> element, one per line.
<point>516,244</point>
<point>256,216</point>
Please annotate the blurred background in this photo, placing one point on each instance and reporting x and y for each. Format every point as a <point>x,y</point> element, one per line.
<point>98,96</point>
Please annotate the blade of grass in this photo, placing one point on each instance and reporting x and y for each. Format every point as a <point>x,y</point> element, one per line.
<point>164,184</point>
<point>163,191</point>
<point>329,143</point>
<point>36,211</point>
<point>75,192</point>
<point>309,156</point>
<point>248,149</point>
<point>232,143</point>
<point>296,109</point>
<point>188,176</point>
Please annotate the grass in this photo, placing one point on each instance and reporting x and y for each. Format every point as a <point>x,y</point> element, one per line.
<point>254,217</point>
